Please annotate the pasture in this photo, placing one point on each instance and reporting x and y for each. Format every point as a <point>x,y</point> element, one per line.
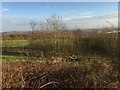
<point>14,43</point>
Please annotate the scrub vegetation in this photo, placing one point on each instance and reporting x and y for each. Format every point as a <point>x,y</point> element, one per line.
<point>51,56</point>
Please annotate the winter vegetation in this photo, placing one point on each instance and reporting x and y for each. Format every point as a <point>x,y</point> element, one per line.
<point>51,56</point>
<point>60,45</point>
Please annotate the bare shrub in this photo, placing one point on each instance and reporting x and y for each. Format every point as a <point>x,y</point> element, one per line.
<point>98,73</point>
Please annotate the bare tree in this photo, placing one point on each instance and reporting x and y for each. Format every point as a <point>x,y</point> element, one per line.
<point>33,25</point>
<point>51,30</point>
<point>55,25</point>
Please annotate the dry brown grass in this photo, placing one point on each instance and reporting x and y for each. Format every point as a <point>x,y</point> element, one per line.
<point>40,74</point>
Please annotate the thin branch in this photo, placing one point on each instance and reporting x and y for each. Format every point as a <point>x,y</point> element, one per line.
<point>49,84</point>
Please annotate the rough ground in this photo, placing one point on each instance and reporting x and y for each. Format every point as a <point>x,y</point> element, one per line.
<point>59,74</point>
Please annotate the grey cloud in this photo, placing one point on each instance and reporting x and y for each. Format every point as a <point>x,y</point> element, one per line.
<point>93,22</point>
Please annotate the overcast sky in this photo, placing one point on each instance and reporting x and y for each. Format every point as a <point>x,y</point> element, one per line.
<point>17,15</point>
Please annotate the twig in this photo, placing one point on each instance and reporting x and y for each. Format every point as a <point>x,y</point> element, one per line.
<point>49,84</point>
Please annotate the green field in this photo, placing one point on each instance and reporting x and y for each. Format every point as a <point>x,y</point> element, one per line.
<point>14,43</point>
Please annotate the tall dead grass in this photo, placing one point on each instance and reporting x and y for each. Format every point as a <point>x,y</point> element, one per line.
<point>98,73</point>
